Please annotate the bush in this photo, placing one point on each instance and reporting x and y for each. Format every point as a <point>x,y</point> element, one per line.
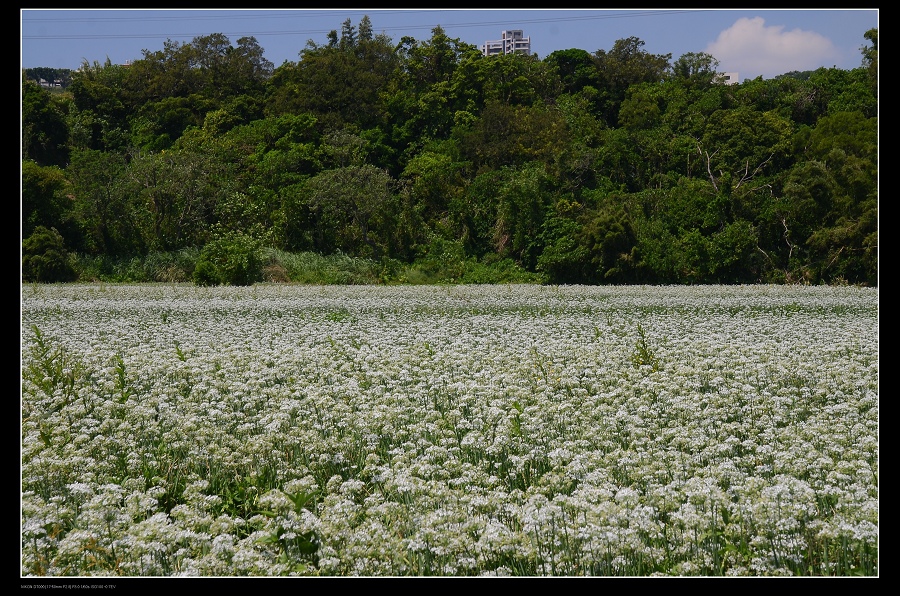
<point>231,259</point>
<point>45,259</point>
<point>168,267</point>
<point>313,268</point>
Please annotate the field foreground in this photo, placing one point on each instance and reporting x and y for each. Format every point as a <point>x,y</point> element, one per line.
<point>449,430</point>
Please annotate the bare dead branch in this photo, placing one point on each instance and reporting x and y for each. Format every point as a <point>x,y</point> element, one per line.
<point>765,254</point>
<point>788,242</point>
<point>748,176</point>
<point>835,258</point>
<point>709,157</point>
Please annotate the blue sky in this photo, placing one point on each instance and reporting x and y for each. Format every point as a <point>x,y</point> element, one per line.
<point>750,42</point>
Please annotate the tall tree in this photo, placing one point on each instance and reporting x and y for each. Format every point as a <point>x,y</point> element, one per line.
<point>175,194</point>
<point>423,99</point>
<point>169,72</point>
<point>44,131</point>
<point>99,118</point>
<point>576,69</point>
<point>870,58</point>
<point>696,69</point>
<point>358,201</point>
<point>340,84</point>
<point>348,35</point>
<point>45,199</point>
<point>365,29</point>
<point>107,216</point>
<point>627,64</point>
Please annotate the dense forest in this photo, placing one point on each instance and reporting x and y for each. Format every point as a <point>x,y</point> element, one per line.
<point>611,167</point>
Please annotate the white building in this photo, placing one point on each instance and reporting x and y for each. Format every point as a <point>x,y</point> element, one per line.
<point>511,42</point>
<point>728,78</point>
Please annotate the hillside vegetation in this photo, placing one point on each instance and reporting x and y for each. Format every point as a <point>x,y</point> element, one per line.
<point>373,160</point>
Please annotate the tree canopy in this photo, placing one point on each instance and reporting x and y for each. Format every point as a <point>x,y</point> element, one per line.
<point>606,166</point>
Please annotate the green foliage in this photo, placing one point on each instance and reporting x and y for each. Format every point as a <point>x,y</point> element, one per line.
<point>639,111</point>
<point>575,68</point>
<point>159,124</point>
<point>529,133</point>
<point>564,259</point>
<point>870,59</point>
<point>45,258</point>
<point>44,129</point>
<point>522,201</point>
<point>99,117</point>
<point>358,203</point>
<point>627,64</point>
<point>609,241</point>
<point>445,261</point>
<point>170,197</point>
<point>168,267</point>
<point>340,84</point>
<point>231,258</point>
<point>308,267</point>
<point>106,214</point>
<point>364,149</point>
<point>45,199</point>
<point>643,354</point>
<point>696,69</point>
<point>51,368</point>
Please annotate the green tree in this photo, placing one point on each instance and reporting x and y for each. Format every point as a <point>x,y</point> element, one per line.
<point>517,80</point>
<point>365,29</point>
<point>341,85</point>
<point>609,240</point>
<point>435,181</point>
<point>423,98</point>
<point>45,258</point>
<point>627,64</point>
<point>807,197</point>
<point>170,72</point>
<point>832,199</point>
<point>618,160</point>
<point>106,212</point>
<point>523,199</point>
<point>578,161</point>
<point>576,69</point>
<point>235,111</point>
<point>99,117</point>
<point>158,124</point>
<point>348,35</point>
<point>175,195</point>
<point>44,130</point>
<point>640,110</point>
<point>226,71</point>
<point>742,145</point>
<point>508,135</point>
<point>357,202</point>
<point>696,69</point>
<point>46,198</point>
<point>870,58</point>
<point>265,163</point>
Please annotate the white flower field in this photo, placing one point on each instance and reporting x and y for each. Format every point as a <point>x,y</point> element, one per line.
<point>520,430</point>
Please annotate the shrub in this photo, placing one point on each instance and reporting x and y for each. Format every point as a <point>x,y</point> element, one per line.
<point>232,258</point>
<point>45,259</point>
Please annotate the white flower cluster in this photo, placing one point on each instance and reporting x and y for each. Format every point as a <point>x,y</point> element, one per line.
<point>449,430</point>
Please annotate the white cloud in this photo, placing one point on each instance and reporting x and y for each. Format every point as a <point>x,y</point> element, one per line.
<point>752,49</point>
